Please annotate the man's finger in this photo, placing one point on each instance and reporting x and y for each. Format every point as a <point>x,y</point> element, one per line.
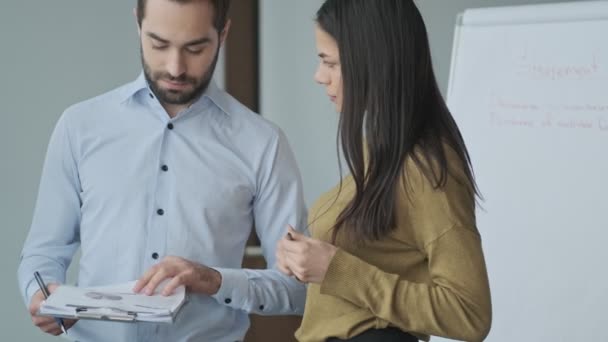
<point>51,328</point>
<point>173,284</point>
<point>143,281</point>
<point>68,323</point>
<point>35,303</point>
<point>34,309</point>
<point>52,287</point>
<point>42,320</point>
<point>160,275</point>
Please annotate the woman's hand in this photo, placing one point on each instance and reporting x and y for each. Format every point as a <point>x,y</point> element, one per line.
<point>305,258</point>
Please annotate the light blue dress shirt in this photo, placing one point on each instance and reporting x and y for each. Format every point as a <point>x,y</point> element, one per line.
<point>130,185</point>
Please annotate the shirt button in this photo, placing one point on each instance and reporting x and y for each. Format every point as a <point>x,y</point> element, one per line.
<point>160,212</point>
<point>261,307</point>
<point>155,256</point>
<point>170,126</point>
<point>227,300</point>
<point>164,168</point>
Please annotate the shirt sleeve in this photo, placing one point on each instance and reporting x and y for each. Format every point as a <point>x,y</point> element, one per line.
<point>279,201</point>
<point>53,237</point>
<point>455,303</point>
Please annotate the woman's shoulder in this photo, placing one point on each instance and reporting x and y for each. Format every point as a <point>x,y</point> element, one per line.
<point>426,170</point>
<point>427,207</point>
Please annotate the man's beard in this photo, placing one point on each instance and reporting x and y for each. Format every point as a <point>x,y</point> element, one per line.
<point>177,97</point>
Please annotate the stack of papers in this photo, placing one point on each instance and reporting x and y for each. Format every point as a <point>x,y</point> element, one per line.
<point>115,303</point>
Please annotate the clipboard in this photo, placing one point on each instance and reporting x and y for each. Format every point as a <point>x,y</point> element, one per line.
<point>113,303</point>
<point>104,314</point>
<point>116,315</point>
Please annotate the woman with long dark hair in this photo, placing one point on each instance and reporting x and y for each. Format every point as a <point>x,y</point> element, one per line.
<point>395,254</point>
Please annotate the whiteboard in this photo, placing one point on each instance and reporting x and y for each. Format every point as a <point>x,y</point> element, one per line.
<point>529,91</point>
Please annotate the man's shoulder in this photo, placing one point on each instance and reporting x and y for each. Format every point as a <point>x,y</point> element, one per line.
<point>101,102</point>
<point>243,118</point>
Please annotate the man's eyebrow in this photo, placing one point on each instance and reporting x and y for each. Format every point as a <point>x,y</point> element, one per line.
<point>323,55</point>
<point>156,37</point>
<point>198,41</point>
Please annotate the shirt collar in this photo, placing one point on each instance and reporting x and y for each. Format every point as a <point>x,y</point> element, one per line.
<point>217,96</point>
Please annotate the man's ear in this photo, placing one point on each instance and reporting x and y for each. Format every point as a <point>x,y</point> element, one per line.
<point>225,31</point>
<point>135,14</point>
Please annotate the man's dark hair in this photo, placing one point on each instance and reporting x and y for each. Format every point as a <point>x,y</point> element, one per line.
<point>220,16</point>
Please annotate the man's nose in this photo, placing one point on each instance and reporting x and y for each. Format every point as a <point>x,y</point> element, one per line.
<point>176,65</point>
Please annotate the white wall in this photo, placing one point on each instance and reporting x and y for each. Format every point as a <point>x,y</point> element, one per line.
<point>288,94</point>
<point>53,54</point>
<point>291,98</point>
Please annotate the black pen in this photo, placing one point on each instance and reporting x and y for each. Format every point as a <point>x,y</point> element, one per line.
<point>46,294</point>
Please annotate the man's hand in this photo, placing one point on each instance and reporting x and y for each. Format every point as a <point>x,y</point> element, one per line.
<point>305,258</point>
<point>47,324</point>
<point>196,277</point>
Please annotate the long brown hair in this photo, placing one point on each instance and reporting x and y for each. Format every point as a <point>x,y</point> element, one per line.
<point>391,106</point>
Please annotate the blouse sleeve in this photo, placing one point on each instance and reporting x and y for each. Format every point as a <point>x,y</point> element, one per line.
<point>455,303</point>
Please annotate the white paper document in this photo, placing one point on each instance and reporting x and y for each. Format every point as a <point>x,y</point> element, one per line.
<point>115,303</point>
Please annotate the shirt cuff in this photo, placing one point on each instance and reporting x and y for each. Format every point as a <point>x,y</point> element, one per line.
<point>234,289</point>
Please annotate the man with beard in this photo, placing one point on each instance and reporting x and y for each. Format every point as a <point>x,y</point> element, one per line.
<point>163,179</point>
